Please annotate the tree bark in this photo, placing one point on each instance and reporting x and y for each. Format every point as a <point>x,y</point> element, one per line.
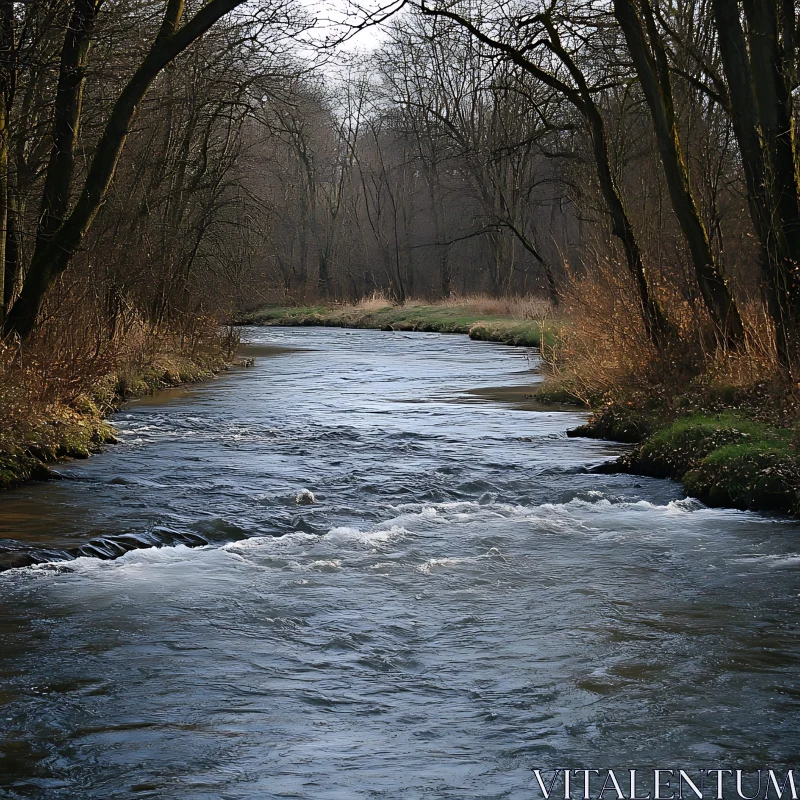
<point>67,114</point>
<point>11,266</point>
<point>3,199</point>
<point>759,79</point>
<point>6,95</point>
<point>659,329</point>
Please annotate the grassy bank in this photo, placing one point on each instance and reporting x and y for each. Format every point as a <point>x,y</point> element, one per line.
<point>56,431</point>
<point>514,321</point>
<point>727,459</point>
<point>723,421</point>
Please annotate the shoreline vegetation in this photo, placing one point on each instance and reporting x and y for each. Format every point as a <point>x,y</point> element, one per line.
<point>729,445</point>
<point>58,429</point>
<point>513,321</point>
<point>727,459</point>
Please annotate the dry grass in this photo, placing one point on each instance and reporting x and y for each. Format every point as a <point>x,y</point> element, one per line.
<point>374,302</point>
<point>512,307</point>
<point>73,371</point>
<point>604,345</point>
<point>50,374</point>
<point>604,355</point>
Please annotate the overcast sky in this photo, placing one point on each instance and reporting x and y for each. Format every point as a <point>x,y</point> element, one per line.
<point>340,10</point>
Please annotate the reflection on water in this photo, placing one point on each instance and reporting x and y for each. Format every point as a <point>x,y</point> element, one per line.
<point>462,603</point>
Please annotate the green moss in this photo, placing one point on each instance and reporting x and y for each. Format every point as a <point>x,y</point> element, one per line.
<point>17,467</point>
<point>521,334</point>
<point>620,423</point>
<point>164,372</point>
<point>726,460</point>
<point>73,445</point>
<point>760,475</point>
<point>677,448</point>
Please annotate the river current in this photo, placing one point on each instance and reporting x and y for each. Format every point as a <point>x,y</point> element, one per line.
<point>462,602</point>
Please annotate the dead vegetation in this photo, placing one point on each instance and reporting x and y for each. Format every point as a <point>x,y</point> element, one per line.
<point>57,388</point>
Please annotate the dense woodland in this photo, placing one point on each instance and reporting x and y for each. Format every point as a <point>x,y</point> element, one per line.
<point>163,167</point>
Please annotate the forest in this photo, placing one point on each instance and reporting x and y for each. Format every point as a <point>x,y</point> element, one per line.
<point>399,399</point>
<point>632,165</point>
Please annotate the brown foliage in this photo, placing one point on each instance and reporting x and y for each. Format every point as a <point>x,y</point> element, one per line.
<point>604,356</point>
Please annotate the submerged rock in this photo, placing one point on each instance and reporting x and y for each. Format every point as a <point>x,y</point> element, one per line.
<point>15,559</point>
<point>305,498</point>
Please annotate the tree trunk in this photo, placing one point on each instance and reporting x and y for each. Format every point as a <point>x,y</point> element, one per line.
<point>762,116</point>
<point>12,254</point>
<point>66,121</point>
<point>6,95</point>
<point>3,199</point>
<point>439,213</point>
<point>659,330</point>
<point>323,276</point>
<point>651,67</point>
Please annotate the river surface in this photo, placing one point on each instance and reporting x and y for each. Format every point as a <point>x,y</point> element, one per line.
<point>463,601</point>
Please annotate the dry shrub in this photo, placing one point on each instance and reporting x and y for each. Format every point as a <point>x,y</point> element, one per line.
<point>526,307</point>
<point>750,376</point>
<point>60,364</point>
<point>374,302</point>
<point>757,361</point>
<point>38,382</point>
<point>605,356</point>
<point>605,343</point>
<point>73,360</point>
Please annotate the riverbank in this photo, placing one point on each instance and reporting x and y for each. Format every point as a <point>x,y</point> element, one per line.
<point>514,322</point>
<point>726,459</point>
<point>55,432</point>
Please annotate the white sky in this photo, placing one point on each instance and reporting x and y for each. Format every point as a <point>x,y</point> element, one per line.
<point>341,12</point>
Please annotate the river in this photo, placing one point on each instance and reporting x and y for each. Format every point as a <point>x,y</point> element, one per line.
<point>462,602</point>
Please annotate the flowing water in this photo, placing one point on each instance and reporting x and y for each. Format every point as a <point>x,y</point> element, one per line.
<point>463,601</point>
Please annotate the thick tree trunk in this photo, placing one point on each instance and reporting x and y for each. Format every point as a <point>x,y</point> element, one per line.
<point>772,78</point>
<point>772,73</point>
<point>653,72</point>
<point>762,117</point>
<point>66,121</point>
<point>3,200</point>
<point>6,95</point>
